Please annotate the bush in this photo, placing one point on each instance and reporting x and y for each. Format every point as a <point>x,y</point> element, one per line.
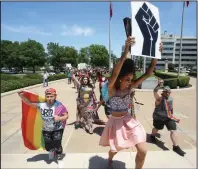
<point>171,67</point>
<point>172,80</point>
<point>9,85</point>
<point>172,83</point>
<point>9,77</point>
<point>13,82</point>
<point>194,74</point>
<point>33,76</point>
<point>57,77</point>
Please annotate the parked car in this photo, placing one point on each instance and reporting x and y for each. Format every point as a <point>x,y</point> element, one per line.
<point>52,73</point>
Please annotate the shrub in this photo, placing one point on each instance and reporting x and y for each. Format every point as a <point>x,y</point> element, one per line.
<point>183,81</point>
<point>57,77</point>
<point>172,80</point>
<point>10,77</point>
<point>9,85</point>
<point>33,76</point>
<point>192,74</point>
<point>13,82</point>
<point>172,83</point>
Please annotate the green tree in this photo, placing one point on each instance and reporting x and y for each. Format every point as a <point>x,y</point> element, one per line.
<point>84,55</point>
<point>98,55</point>
<point>6,50</point>
<point>70,55</point>
<point>140,62</point>
<point>60,55</point>
<point>11,55</point>
<point>33,53</point>
<point>53,55</point>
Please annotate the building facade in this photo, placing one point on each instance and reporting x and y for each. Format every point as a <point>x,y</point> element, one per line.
<point>171,51</point>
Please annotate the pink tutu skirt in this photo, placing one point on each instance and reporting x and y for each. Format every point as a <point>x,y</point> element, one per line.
<point>122,133</point>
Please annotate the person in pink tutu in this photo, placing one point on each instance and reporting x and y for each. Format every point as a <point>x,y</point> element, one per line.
<point>123,130</point>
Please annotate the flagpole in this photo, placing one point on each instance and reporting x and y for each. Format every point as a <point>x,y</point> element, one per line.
<point>110,40</point>
<point>181,39</point>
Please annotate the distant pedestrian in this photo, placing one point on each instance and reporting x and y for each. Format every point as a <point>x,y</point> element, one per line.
<point>45,79</point>
<point>69,76</point>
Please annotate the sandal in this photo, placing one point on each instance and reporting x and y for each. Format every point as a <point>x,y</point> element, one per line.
<point>110,164</point>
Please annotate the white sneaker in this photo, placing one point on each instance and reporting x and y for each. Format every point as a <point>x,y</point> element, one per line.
<point>51,155</point>
<point>60,164</point>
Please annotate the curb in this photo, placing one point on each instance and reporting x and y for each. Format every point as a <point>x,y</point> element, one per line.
<point>29,87</point>
<point>173,90</point>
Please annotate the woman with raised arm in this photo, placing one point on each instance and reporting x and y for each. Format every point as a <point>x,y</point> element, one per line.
<point>122,131</point>
<point>86,105</point>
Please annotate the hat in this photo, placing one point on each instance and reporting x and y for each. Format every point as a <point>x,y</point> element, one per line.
<point>50,91</point>
<point>166,89</point>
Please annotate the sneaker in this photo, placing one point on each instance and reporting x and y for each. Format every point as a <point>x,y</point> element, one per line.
<point>60,160</point>
<point>51,155</point>
<point>153,139</point>
<point>178,150</point>
<point>60,164</point>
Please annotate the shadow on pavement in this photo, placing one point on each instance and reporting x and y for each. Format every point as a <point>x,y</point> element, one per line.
<point>70,124</point>
<point>42,157</point>
<point>98,130</point>
<point>158,143</point>
<point>99,162</point>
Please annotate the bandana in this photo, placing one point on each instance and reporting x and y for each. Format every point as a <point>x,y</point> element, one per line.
<point>50,91</point>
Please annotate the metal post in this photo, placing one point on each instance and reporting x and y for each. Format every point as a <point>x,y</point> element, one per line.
<point>144,64</point>
<point>181,39</point>
<point>109,43</point>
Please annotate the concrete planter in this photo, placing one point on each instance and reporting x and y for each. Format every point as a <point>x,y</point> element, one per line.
<point>149,83</point>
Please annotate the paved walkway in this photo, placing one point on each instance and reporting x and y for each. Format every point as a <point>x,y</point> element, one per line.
<point>84,147</point>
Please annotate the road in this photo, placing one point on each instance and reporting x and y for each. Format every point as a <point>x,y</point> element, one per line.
<point>78,141</point>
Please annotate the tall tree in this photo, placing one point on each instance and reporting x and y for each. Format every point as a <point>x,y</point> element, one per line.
<point>34,53</point>
<point>84,55</point>
<point>6,50</point>
<point>99,55</point>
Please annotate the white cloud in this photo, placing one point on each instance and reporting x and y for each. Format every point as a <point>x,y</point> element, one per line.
<point>26,29</point>
<point>77,31</point>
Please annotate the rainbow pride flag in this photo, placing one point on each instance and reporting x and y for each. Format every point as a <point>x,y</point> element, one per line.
<point>31,123</point>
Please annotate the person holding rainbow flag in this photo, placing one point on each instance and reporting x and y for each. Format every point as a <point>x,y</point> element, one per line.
<point>54,116</point>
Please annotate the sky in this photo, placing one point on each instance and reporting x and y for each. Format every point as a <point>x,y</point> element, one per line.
<point>81,24</point>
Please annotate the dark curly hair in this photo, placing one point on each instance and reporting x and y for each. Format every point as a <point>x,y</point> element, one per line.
<point>128,67</point>
<point>88,81</point>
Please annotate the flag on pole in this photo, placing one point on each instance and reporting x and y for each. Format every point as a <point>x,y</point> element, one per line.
<point>111,11</point>
<point>187,3</point>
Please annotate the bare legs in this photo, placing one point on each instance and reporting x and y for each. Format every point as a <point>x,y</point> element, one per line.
<point>111,155</point>
<point>154,131</point>
<point>110,162</point>
<point>173,137</point>
<point>141,155</point>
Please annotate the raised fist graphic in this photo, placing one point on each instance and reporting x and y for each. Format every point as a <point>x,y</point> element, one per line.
<point>149,28</point>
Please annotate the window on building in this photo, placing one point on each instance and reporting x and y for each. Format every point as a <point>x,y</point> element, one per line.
<point>186,49</point>
<point>165,48</point>
<point>186,44</point>
<point>168,43</point>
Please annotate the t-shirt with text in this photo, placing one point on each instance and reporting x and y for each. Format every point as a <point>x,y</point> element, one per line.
<point>47,113</point>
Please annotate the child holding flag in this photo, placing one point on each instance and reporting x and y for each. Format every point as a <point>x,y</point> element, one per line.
<point>54,115</point>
